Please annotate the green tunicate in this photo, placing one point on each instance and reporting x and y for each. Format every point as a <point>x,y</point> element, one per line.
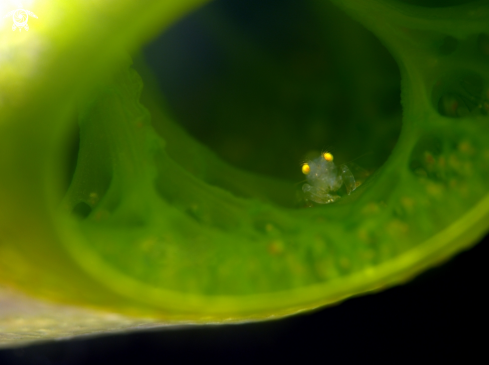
<point>153,223</point>
<point>163,235</point>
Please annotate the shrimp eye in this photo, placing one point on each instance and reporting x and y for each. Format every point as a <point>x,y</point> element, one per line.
<point>328,156</point>
<point>306,169</point>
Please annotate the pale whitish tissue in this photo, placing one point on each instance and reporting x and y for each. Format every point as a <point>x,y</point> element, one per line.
<point>17,12</point>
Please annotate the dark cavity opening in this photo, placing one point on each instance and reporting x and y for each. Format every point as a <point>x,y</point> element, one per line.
<point>461,94</point>
<point>82,210</point>
<point>267,83</point>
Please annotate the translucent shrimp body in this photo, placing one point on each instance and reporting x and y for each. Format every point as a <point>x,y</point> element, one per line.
<point>325,178</point>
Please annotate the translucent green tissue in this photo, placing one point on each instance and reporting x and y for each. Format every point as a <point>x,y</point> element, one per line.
<point>152,224</point>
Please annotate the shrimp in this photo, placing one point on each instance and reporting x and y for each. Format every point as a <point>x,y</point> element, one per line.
<point>325,179</point>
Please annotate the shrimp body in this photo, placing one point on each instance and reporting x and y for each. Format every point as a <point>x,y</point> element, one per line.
<point>324,179</point>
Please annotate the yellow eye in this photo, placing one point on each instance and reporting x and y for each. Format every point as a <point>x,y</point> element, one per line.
<point>306,169</point>
<point>328,156</point>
